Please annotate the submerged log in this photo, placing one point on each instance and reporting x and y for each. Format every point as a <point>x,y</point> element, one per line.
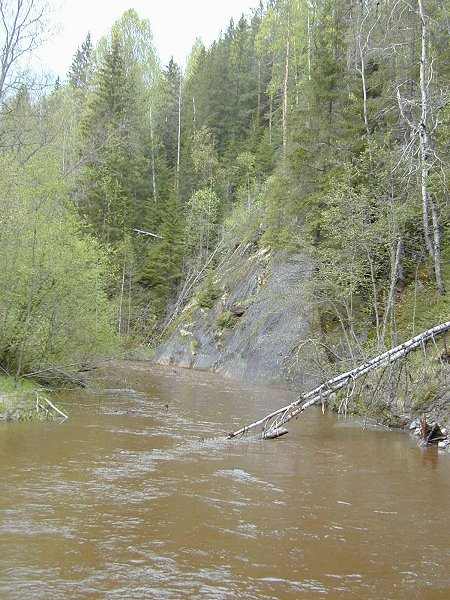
<point>275,433</point>
<point>277,418</point>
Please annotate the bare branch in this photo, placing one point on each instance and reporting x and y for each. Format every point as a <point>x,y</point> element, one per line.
<point>21,31</point>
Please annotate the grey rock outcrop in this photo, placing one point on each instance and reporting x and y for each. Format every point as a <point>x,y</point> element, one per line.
<point>257,329</point>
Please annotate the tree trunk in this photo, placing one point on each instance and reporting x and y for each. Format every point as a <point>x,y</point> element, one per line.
<point>395,267</point>
<point>437,247</point>
<point>270,117</point>
<point>285,95</point>
<point>179,137</point>
<point>152,142</point>
<point>309,44</point>
<point>432,239</point>
<point>258,104</point>
<point>363,83</point>
<point>122,290</point>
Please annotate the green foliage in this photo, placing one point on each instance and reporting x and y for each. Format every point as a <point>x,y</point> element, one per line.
<point>162,272</point>
<point>244,223</point>
<point>113,179</point>
<point>10,385</point>
<point>53,304</point>
<point>81,69</point>
<point>421,306</point>
<point>226,320</point>
<point>136,38</point>
<point>280,215</point>
<point>168,118</point>
<point>201,225</point>
<point>204,156</point>
<point>209,292</point>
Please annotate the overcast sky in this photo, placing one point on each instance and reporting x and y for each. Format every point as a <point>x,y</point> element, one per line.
<point>175,25</point>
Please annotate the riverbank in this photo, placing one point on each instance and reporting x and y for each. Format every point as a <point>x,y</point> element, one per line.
<point>25,400</point>
<point>256,320</point>
<point>16,399</point>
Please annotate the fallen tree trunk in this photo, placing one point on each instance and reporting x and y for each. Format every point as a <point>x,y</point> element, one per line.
<point>277,418</point>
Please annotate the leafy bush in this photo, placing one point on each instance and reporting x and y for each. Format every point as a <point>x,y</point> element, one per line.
<point>53,274</point>
<point>226,320</point>
<point>208,293</point>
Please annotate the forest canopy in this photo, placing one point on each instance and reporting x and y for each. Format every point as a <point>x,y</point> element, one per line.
<point>308,126</point>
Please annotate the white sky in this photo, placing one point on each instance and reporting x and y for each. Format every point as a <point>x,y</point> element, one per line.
<point>175,25</point>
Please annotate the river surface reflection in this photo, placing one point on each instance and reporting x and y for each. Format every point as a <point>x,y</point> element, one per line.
<point>139,495</point>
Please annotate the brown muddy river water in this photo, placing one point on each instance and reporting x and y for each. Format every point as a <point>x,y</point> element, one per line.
<point>130,499</point>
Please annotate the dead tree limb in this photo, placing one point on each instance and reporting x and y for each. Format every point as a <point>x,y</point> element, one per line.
<point>274,420</point>
<point>40,398</point>
<point>144,232</point>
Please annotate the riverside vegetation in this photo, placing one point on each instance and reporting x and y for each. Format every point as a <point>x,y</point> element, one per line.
<point>317,129</point>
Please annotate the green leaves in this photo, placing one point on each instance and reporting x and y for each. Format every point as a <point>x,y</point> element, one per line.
<point>53,275</point>
<point>202,222</point>
<point>112,181</point>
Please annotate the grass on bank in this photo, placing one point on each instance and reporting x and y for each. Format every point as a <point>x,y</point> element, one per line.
<point>17,399</point>
<point>11,385</point>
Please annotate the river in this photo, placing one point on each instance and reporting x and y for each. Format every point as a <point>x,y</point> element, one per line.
<point>138,495</point>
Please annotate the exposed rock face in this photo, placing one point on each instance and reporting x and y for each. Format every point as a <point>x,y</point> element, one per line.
<point>256,329</point>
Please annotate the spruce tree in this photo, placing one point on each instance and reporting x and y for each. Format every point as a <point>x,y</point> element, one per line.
<point>115,181</point>
<point>168,126</point>
<point>162,270</point>
<point>81,65</point>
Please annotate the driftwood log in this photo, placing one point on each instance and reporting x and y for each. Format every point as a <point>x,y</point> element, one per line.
<point>276,419</point>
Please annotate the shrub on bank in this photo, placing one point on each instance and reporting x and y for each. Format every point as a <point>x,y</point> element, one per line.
<point>53,275</point>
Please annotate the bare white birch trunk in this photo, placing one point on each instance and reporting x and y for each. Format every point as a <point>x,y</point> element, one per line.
<point>437,248</point>
<point>152,142</point>
<point>122,289</point>
<point>270,117</point>
<point>432,238</point>
<point>285,96</point>
<point>309,45</point>
<point>258,105</point>
<point>395,266</point>
<point>363,82</point>
<point>179,136</point>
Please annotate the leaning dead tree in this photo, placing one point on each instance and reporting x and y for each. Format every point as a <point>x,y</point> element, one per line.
<point>272,424</point>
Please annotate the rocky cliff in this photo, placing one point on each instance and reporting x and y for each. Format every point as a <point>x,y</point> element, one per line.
<point>253,323</point>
